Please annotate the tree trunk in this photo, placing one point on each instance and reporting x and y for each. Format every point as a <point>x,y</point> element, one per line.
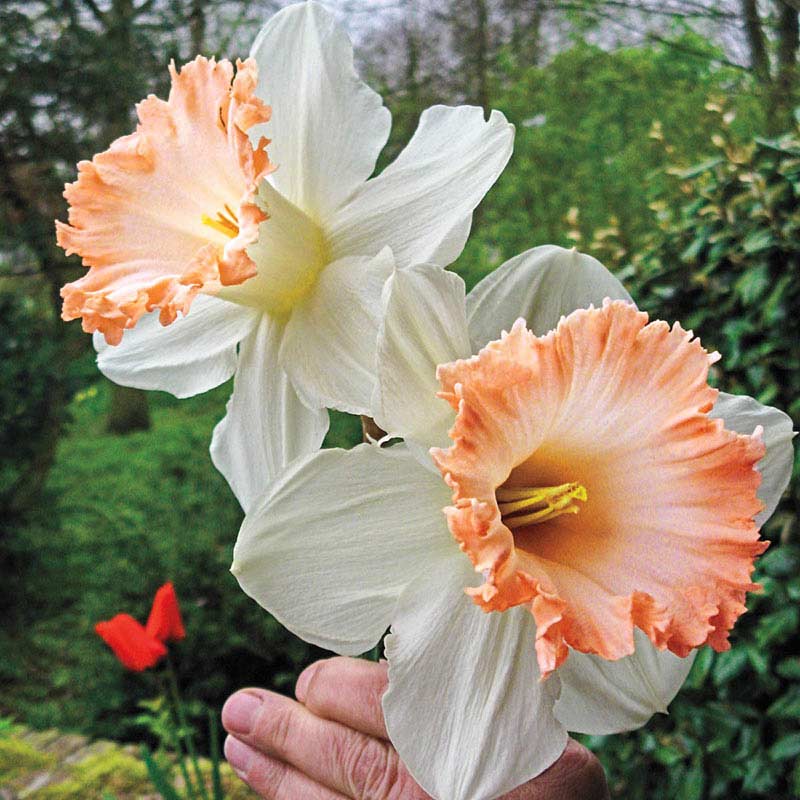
<point>128,410</point>
<point>197,27</point>
<point>784,95</point>
<point>482,53</point>
<point>759,58</point>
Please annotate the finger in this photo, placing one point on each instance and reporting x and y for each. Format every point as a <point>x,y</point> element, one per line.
<point>577,775</point>
<point>273,779</point>
<point>340,758</point>
<point>347,690</point>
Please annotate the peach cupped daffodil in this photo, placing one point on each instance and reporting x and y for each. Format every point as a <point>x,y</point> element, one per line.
<point>214,250</point>
<point>572,513</point>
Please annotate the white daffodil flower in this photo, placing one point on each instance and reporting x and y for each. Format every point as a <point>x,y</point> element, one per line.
<point>282,257</point>
<point>598,527</point>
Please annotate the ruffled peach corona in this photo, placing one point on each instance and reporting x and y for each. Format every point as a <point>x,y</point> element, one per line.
<point>168,211</point>
<point>590,484</point>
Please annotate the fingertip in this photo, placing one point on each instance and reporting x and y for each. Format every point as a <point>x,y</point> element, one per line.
<point>239,755</point>
<point>304,681</point>
<point>240,710</point>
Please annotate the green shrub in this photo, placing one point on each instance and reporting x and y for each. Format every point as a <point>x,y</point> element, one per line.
<point>32,374</point>
<point>125,514</point>
<point>725,261</point>
<point>587,137</point>
<point>18,758</point>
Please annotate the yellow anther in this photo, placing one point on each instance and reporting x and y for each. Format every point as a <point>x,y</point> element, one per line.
<point>226,222</point>
<point>541,502</point>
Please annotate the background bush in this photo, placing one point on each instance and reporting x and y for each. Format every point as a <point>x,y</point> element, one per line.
<point>725,260</point>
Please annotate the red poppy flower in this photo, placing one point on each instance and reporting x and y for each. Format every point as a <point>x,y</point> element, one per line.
<point>164,622</point>
<point>132,644</point>
<point>139,647</point>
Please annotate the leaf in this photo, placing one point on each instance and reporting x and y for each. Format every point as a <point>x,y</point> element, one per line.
<point>758,659</point>
<point>758,241</point>
<point>728,665</point>
<point>786,707</point>
<point>695,781</point>
<point>753,283</point>
<point>786,747</point>
<point>777,627</point>
<point>213,738</point>
<point>700,669</point>
<point>696,247</point>
<point>667,755</point>
<point>789,668</point>
<point>699,169</point>
<point>780,562</point>
<point>158,778</point>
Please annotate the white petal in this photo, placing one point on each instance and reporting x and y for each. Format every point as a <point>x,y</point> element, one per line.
<point>424,324</point>
<point>327,125</point>
<point>743,414</point>
<point>465,707</point>
<point>540,285</point>
<point>600,696</point>
<point>266,425</point>
<point>418,205</point>
<point>192,355</point>
<point>450,247</point>
<point>330,345</point>
<point>336,540</point>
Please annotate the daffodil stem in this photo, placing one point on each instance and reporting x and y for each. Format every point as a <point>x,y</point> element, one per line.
<point>183,728</point>
<point>370,430</point>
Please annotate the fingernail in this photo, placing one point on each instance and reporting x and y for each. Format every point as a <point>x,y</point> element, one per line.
<point>239,712</point>
<point>239,756</point>
<point>303,682</point>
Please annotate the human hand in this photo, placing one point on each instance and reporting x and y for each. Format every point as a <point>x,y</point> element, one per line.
<point>333,745</point>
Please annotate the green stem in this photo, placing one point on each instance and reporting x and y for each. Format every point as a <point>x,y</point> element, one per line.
<point>177,743</point>
<point>184,727</point>
<point>216,779</point>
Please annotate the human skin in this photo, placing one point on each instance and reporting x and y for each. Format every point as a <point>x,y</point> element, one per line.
<point>331,743</point>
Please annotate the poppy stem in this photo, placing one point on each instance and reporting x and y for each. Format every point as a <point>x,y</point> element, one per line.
<point>183,727</point>
<point>177,743</point>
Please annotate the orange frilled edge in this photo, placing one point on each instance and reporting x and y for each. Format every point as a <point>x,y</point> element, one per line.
<point>666,540</point>
<point>137,210</point>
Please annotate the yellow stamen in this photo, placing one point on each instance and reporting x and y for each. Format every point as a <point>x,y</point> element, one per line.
<point>226,222</point>
<point>544,502</point>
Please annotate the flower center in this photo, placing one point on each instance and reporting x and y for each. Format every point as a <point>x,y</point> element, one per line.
<point>226,222</point>
<point>290,253</point>
<point>530,505</point>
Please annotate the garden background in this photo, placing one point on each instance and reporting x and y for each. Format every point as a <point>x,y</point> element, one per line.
<point>661,138</point>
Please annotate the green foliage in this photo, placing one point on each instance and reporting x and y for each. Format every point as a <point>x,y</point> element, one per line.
<point>32,375</point>
<point>725,261</point>
<point>733,730</point>
<point>124,514</point>
<point>589,126</point>
<point>114,771</point>
<point>19,758</point>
